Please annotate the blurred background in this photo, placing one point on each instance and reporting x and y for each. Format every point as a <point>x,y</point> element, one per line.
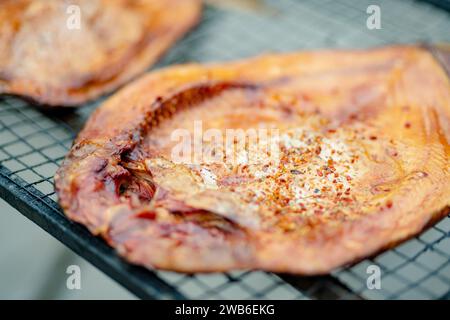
<point>33,264</point>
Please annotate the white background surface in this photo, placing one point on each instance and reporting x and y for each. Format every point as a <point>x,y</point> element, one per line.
<point>33,264</point>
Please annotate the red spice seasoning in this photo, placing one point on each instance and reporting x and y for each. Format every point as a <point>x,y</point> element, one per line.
<point>151,215</point>
<point>389,204</point>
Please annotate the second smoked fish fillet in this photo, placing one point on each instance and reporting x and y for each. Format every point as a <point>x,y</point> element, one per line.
<point>66,53</point>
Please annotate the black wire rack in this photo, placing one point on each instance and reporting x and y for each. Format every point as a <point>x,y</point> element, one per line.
<point>33,143</point>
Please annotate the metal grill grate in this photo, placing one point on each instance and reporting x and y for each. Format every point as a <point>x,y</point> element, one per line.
<point>33,143</point>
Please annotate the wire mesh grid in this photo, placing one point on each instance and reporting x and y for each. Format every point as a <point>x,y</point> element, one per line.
<point>33,143</point>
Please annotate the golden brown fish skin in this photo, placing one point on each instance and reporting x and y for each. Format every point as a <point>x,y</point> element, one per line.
<point>396,99</point>
<point>51,64</point>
